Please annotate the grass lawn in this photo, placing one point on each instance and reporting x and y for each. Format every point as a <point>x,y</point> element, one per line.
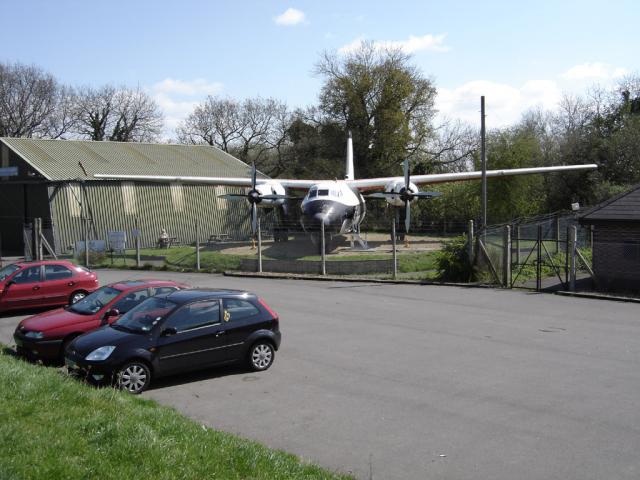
<point>55,427</point>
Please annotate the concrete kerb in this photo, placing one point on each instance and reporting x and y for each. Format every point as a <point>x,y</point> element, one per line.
<point>598,296</point>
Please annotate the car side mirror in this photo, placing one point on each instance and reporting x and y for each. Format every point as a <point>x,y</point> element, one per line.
<point>110,313</point>
<point>169,331</point>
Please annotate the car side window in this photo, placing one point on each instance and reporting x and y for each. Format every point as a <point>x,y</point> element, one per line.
<point>131,300</point>
<point>56,272</point>
<point>162,290</point>
<point>195,315</point>
<point>236,309</point>
<point>28,275</point>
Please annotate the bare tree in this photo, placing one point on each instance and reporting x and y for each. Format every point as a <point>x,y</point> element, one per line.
<point>121,115</point>
<point>27,100</point>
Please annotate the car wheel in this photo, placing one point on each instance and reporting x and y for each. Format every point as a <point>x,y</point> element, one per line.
<point>261,356</point>
<point>134,377</point>
<point>77,296</point>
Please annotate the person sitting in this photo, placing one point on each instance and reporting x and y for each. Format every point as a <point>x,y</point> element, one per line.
<point>163,239</point>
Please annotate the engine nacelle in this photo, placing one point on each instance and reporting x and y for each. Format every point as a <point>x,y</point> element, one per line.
<point>398,187</point>
<point>270,188</point>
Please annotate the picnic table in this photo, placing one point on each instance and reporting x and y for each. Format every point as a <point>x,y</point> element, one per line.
<point>217,238</point>
<point>167,242</point>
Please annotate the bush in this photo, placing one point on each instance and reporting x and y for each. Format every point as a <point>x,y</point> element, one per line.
<point>453,262</point>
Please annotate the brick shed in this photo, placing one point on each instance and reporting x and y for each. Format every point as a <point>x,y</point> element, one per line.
<point>616,241</point>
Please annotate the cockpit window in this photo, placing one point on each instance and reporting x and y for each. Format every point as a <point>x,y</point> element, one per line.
<point>313,193</point>
<point>323,193</point>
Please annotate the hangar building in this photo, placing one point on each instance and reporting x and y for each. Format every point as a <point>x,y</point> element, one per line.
<point>53,180</point>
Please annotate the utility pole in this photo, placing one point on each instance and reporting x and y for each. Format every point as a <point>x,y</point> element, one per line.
<point>483,158</point>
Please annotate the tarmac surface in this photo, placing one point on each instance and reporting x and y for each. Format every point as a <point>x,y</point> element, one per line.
<point>429,382</point>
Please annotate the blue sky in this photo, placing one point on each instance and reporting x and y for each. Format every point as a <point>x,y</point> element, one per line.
<point>518,54</point>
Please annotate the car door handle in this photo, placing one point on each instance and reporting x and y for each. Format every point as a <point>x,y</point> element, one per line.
<point>219,333</point>
<point>71,284</point>
<point>36,287</point>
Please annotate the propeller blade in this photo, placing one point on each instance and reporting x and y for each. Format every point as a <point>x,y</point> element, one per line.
<point>407,217</point>
<point>254,218</point>
<point>233,196</point>
<point>380,194</point>
<point>427,194</point>
<point>276,197</point>
<point>407,180</point>
<point>254,174</point>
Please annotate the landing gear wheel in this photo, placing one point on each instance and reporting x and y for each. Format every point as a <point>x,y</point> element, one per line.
<point>261,356</point>
<point>134,377</point>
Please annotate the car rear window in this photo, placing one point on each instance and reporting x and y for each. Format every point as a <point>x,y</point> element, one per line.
<point>238,309</point>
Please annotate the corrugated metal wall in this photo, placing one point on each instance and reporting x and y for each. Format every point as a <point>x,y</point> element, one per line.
<point>115,205</point>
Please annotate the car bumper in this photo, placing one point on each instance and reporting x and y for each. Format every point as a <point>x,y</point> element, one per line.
<point>41,349</point>
<point>99,372</point>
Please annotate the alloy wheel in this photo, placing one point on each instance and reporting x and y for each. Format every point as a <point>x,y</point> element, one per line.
<point>133,377</point>
<point>261,356</point>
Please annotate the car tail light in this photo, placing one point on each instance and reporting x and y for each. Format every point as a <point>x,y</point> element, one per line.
<point>273,314</point>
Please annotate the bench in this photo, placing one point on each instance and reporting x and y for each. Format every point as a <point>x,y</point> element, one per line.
<point>217,238</point>
<point>166,243</point>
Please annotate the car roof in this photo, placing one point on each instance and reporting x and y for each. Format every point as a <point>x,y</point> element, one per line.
<point>194,294</point>
<point>35,263</point>
<point>143,282</point>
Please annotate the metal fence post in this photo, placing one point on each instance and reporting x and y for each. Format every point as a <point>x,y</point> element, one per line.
<point>518,245</point>
<point>137,240</point>
<point>506,262</point>
<point>393,245</point>
<point>322,247</point>
<point>86,241</point>
<point>539,260</point>
<point>557,233</point>
<point>470,241</point>
<point>259,247</point>
<point>573,232</point>
<point>197,247</point>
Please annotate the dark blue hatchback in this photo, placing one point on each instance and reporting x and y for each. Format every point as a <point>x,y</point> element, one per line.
<point>174,333</point>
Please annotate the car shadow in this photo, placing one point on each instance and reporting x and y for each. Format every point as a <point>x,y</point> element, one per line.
<point>26,311</point>
<point>197,376</point>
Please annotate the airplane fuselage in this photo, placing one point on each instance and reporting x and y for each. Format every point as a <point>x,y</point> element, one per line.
<point>336,205</point>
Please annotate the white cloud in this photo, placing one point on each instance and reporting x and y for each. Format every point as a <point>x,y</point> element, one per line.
<point>178,98</point>
<point>504,103</point>
<point>198,86</point>
<point>434,43</point>
<point>594,71</point>
<point>290,17</point>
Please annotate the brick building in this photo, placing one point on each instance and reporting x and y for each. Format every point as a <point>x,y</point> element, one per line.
<point>616,241</point>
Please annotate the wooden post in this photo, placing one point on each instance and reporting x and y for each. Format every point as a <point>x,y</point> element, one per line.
<point>506,258</point>
<point>322,247</point>
<point>36,240</point>
<point>197,247</point>
<point>573,232</point>
<point>40,249</point>
<point>259,247</point>
<point>393,246</point>
<point>539,260</point>
<point>137,240</point>
<point>86,241</point>
<point>566,257</point>
<point>470,241</point>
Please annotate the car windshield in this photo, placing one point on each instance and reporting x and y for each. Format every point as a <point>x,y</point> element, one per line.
<point>8,270</point>
<point>93,303</point>
<point>145,316</point>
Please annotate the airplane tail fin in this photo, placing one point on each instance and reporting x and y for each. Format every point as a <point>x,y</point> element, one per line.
<point>349,175</point>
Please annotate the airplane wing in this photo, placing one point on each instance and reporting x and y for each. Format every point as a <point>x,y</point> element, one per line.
<point>379,183</point>
<point>229,181</point>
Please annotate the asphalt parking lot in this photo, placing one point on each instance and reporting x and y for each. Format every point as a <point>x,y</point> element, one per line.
<point>429,382</point>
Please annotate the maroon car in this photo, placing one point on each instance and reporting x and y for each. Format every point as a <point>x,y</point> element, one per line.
<point>46,335</point>
<point>44,284</point>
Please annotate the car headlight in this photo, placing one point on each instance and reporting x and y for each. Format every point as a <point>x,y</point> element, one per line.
<point>34,335</point>
<point>101,353</point>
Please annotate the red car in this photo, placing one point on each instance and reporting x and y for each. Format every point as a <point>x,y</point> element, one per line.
<point>44,284</point>
<point>45,336</point>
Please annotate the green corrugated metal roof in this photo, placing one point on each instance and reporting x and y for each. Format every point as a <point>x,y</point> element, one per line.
<point>59,159</point>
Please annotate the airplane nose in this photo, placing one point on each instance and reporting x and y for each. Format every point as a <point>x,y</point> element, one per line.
<point>320,218</point>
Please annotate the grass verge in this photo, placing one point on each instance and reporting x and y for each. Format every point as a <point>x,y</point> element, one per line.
<point>53,426</point>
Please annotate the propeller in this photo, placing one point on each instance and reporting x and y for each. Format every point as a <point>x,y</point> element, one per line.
<point>406,195</point>
<point>254,197</point>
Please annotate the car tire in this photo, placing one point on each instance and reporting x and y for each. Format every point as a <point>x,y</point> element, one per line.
<point>261,356</point>
<point>133,377</point>
<point>77,296</point>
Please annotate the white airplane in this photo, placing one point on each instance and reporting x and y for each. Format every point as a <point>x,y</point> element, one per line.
<point>339,204</point>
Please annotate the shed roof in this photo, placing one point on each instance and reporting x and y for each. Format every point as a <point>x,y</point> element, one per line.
<point>621,208</point>
<point>59,160</point>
